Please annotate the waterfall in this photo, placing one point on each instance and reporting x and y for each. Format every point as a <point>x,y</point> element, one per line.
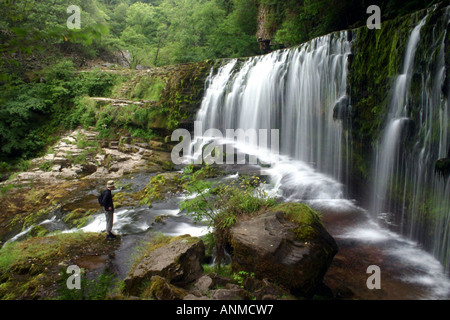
<point>302,92</point>
<point>407,193</point>
<point>387,155</point>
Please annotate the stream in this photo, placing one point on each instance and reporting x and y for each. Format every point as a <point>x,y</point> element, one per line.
<point>407,271</point>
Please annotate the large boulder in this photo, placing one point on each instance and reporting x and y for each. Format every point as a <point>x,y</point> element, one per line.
<point>178,261</point>
<point>287,245</point>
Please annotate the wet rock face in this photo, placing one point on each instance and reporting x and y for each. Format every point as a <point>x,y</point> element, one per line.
<point>178,261</point>
<point>272,246</point>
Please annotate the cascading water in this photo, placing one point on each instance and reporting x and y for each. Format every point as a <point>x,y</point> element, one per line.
<point>300,92</point>
<point>303,92</point>
<point>407,191</point>
<point>388,151</point>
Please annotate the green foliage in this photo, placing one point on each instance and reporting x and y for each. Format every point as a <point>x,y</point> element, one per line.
<point>187,31</point>
<point>293,22</point>
<point>148,88</point>
<point>32,112</point>
<point>220,204</point>
<point>241,276</point>
<point>35,28</point>
<point>95,289</point>
<point>46,166</point>
<point>94,83</point>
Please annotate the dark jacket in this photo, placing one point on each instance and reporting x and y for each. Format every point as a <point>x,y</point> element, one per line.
<point>108,199</point>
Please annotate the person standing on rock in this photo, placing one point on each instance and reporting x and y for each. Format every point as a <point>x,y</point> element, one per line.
<point>109,209</point>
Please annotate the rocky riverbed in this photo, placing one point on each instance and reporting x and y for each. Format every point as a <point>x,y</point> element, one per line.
<point>58,193</point>
<point>56,197</point>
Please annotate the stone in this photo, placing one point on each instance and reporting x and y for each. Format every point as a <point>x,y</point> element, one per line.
<point>230,294</point>
<point>262,288</point>
<point>128,148</point>
<point>288,247</point>
<point>160,289</point>
<point>194,297</point>
<point>203,284</point>
<point>179,262</point>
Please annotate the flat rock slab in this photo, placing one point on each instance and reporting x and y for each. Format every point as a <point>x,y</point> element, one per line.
<point>178,261</point>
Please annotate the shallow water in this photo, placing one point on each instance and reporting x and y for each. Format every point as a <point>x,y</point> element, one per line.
<point>407,271</point>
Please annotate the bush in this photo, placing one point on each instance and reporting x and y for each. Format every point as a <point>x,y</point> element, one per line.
<point>95,83</point>
<point>220,205</point>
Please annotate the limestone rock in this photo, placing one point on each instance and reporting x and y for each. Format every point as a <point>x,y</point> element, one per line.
<point>190,296</point>
<point>288,246</point>
<point>179,262</point>
<point>230,294</point>
<point>203,284</point>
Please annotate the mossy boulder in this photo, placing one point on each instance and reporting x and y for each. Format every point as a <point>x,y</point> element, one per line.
<point>287,245</point>
<point>178,261</point>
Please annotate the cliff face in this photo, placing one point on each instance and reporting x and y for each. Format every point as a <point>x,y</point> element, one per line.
<point>399,90</point>
<point>377,59</point>
<point>170,95</point>
<point>263,34</point>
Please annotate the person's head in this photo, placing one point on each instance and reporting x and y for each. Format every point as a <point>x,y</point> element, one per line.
<point>110,185</point>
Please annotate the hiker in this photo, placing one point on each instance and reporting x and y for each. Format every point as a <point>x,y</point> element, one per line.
<point>109,209</point>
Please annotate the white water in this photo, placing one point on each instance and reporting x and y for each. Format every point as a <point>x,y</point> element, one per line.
<point>405,184</point>
<point>296,92</point>
<point>388,154</point>
<point>137,220</point>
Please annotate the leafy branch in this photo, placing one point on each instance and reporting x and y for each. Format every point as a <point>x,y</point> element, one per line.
<point>220,203</point>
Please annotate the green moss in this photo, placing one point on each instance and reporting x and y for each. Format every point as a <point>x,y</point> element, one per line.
<point>154,190</point>
<point>377,60</point>
<point>306,218</point>
<point>160,289</point>
<point>78,218</point>
<point>159,186</point>
<point>28,266</point>
<point>38,231</point>
<point>148,88</point>
<point>35,217</point>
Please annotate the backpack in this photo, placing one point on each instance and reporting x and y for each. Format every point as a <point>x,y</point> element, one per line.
<point>100,198</point>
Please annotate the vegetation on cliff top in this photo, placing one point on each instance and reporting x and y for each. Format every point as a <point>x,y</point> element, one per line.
<point>40,88</point>
<point>293,22</point>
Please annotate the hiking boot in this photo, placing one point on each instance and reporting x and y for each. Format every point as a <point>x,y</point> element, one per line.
<point>110,236</point>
